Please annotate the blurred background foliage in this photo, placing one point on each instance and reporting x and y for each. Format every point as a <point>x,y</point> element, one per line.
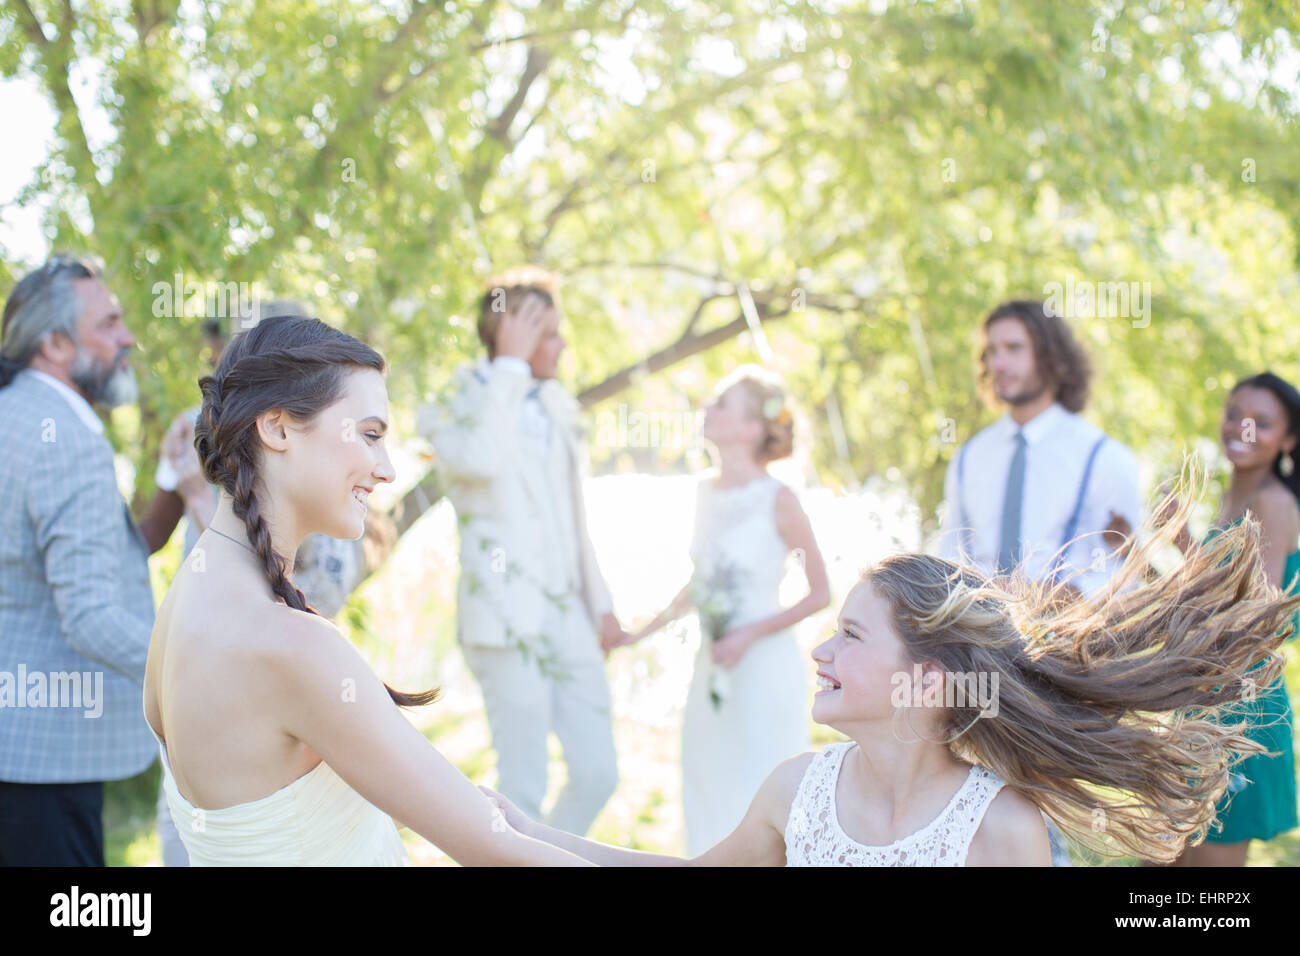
<point>877,175</point>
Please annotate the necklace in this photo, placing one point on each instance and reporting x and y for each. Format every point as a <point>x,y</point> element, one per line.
<point>229,538</point>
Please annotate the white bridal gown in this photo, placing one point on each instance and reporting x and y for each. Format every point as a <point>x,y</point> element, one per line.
<point>317,820</point>
<point>728,751</point>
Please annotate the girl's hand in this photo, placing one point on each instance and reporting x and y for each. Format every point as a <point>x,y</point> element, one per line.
<point>728,651</point>
<point>514,817</point>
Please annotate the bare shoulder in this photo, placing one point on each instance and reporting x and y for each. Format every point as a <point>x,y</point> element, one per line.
<point>779,789</point>
<point>786,499</point>
<point>789,512</point>
<point>1012,833</point>
<point>1276,508</point>
<point>290,639</point>
<point>789,773</point>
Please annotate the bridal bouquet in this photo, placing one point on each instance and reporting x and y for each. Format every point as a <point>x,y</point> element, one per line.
<point>717,599</point>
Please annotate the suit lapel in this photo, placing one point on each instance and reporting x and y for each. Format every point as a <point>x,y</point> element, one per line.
<point>563,411</point>
<point>534,471</point>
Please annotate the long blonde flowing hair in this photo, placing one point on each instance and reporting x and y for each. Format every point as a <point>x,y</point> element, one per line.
<point>1119,716</point>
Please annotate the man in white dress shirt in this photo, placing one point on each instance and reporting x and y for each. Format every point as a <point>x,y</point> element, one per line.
<point>532,604</point>
<point>1040,477</point>
<point>1041,489</point>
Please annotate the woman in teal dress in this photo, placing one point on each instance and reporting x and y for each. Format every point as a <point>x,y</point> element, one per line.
<point>1259,431</point>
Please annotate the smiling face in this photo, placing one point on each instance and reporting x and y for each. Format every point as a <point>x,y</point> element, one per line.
<point>1255,428</point>
<point>1009,358</point>
<point>329,466</point>
<point>858,666</point>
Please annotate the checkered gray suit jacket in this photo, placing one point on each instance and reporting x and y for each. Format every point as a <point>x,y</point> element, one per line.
<point>74,598</point>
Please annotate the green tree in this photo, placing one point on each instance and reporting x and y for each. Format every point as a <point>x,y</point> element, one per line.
<point>863,180</point>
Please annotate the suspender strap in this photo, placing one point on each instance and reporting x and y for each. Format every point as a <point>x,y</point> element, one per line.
<point>1072,525</point>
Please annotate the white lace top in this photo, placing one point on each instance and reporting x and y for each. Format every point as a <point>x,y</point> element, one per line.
<point>813,836</point>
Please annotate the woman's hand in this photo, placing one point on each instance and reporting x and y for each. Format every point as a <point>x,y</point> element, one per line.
<point>728,651</point>
<point>511,814</point>
<point>612,634</point>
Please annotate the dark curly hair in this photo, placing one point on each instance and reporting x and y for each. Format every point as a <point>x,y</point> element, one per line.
<point>292,363</point>
<point>1061,360</point>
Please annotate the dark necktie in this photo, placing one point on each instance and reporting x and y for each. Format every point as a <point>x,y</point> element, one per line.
<point>1009,547</point>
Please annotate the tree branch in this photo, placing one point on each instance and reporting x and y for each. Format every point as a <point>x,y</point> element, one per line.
<point>685,346</point>
<point>534,66</point>
<point>32,24</point>
<point>727,285</point>
<point>57,56</point>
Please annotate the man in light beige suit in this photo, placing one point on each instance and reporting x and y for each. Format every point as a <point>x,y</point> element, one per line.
<point>532,604</point>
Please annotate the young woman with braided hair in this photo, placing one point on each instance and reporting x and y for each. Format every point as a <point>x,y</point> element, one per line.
<point>280,746</point>
<point>1116,715</point>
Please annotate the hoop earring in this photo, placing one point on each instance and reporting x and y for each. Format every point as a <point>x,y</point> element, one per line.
<point>962,732</point>
<point>906,719</point>
<point>1286,465</point>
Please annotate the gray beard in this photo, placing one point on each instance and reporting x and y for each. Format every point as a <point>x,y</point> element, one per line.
<point>109,387</point>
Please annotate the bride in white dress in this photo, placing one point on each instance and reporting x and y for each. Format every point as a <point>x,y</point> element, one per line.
<point>280,746</point>
<point>747,708</point>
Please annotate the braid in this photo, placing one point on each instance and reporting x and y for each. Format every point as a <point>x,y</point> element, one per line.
<point>204,431</point>
<point>248,380</point>
<point>249,512</point>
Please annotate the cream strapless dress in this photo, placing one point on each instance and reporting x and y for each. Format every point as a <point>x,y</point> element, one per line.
<point>318,820</point>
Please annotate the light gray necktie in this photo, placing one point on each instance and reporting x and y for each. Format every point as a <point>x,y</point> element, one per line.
<point>1009,548</point>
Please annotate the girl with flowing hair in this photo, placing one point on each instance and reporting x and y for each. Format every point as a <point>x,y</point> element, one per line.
<point>279,744</point>
<point>975,706</point>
